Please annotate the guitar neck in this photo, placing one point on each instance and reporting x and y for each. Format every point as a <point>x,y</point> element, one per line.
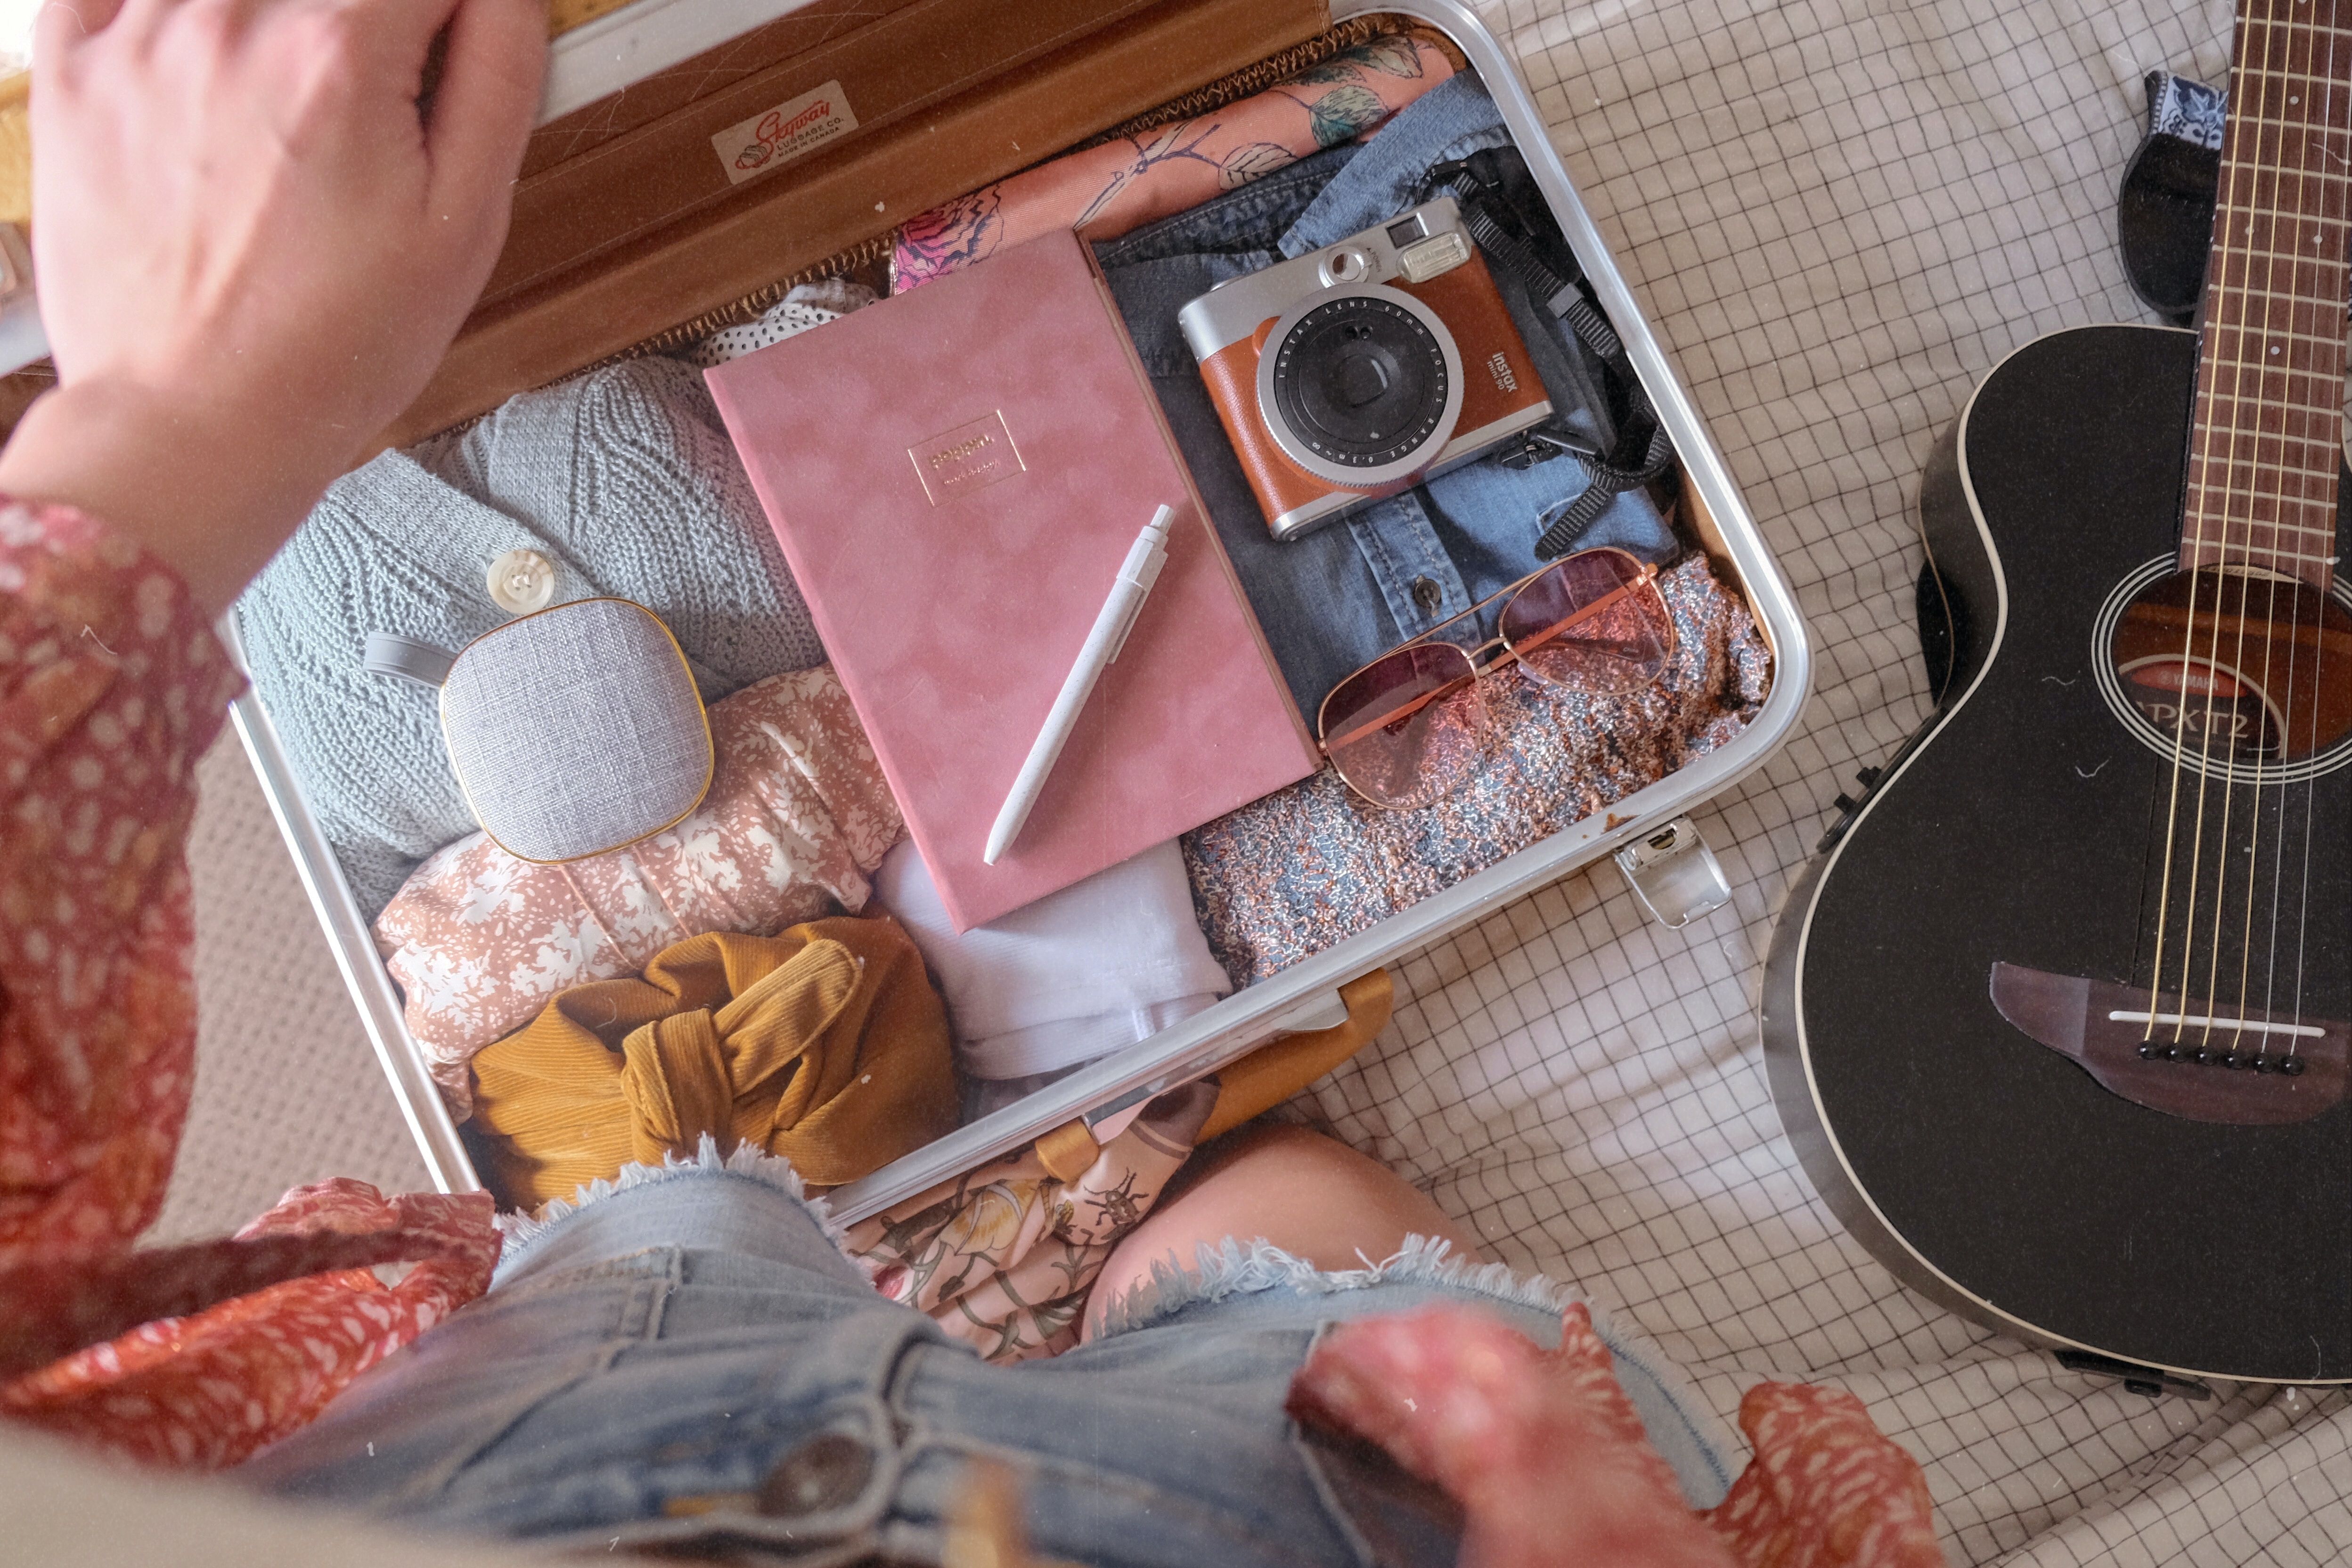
<point>2267,439</point>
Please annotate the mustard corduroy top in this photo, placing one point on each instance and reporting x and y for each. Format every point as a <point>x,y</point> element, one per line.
<point>826,1045</point>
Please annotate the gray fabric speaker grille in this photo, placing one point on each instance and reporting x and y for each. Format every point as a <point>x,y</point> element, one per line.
<point>576,730</point>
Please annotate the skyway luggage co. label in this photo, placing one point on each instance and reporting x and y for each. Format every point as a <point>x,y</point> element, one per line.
<point>773,139</point>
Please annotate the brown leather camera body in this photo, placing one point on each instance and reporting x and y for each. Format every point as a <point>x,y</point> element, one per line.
<point>1500,391</point>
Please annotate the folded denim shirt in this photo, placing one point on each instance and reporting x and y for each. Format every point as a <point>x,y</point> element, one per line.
<point>1393,568</point>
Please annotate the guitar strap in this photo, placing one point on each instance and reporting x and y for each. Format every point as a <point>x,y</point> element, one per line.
<point>2164,214</point>
<point>1498,199</point>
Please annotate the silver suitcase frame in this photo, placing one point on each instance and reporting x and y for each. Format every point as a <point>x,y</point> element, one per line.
<point>606,55</point>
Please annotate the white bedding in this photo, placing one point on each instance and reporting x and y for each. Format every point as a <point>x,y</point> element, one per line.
<point>1838,217</point>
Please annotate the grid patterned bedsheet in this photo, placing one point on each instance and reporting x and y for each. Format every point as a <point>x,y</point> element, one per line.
<point>1840,214</point>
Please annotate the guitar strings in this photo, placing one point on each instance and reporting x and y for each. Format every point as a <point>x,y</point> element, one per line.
<point>2267,62</point>
<point>2206,410</point>
<point>2333,182</point>
<point>2287,409</point>
<point>2279,475</point>
<point>2277,73</point>
<point>2327,374</point>
<point>2202,439</point>
<point>2263,71</point>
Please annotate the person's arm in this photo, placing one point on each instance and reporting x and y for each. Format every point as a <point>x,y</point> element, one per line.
<point>253,247</point>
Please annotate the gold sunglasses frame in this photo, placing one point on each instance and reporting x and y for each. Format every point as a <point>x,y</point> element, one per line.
<point>1646,579</point>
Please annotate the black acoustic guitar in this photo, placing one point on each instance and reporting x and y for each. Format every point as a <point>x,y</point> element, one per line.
<point>2057,1020</point>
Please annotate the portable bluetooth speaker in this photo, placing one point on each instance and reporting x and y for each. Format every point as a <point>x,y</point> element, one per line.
<point>573,731</point>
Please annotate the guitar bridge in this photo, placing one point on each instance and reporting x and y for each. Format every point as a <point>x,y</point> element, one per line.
<point>2201,1061</point>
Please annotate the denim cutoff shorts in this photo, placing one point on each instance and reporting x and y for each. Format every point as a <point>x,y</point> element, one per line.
<point>689,1364</point>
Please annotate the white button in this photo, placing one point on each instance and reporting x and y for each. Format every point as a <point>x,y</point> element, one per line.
<point>522,581</point>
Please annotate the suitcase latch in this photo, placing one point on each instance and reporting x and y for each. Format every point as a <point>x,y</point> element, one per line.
<point>1673,874</point>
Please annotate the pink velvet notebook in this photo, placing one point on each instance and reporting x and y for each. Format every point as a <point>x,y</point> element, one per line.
<point>955,475</point>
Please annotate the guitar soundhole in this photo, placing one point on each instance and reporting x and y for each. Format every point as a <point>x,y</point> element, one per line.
<point>2236,674</point>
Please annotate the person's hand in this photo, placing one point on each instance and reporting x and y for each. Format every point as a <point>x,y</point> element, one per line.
<point>253,247</point>
<point>1543,1450</point>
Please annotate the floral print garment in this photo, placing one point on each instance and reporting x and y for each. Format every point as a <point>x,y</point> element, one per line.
<point>1109,190</point>
<point>1001,1258</point>
<point>797,814</point>
<point>210,1389</point>
<point>111,686</point>
<point>1548,1461</point>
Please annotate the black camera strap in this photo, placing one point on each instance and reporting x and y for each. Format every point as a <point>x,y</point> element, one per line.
<point>1643,451</point>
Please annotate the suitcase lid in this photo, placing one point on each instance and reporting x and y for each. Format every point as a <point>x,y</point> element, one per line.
<point>687,188</point>
<point>694,152</point>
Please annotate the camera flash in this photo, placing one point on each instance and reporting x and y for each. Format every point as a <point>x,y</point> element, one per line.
<point>1425,259</point>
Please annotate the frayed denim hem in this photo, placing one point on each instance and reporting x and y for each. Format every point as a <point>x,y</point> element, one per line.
<point>1232,1268</point>
<point>524,1231</point>
<point>1695,1442</point>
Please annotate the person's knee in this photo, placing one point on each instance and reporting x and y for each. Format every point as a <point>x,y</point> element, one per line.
<point>1311,1196</point>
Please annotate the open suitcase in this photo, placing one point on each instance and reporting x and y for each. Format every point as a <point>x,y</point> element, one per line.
<point>628,233</point>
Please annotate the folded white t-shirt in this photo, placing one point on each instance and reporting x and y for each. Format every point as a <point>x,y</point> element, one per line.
<point>1077,974</point>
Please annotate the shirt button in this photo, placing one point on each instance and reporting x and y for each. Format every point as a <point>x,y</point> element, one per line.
<point>1426,594</point>
<point>522,581</point>
<point>828,1471</point>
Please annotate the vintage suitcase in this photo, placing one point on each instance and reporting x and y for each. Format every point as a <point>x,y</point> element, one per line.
<point>629,233</point>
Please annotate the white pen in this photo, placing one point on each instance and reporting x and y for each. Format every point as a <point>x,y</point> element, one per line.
<point>1128,592</point>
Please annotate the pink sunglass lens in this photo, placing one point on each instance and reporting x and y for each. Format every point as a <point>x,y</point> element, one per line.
<point>1406,728</point>
<point>1595,620</point>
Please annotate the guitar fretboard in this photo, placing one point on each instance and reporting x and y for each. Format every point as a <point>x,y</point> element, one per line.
<point>2269,374</point>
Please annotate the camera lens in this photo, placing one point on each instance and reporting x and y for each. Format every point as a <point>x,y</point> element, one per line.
<point>1360,381</point>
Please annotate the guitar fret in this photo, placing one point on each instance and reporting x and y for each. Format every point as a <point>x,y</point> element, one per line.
<point>2239,434</point>
<point>2198,512</point>
<point>2334,341</point>
<point>2292,166</point>
<point>2204,530</point>
<point>2292,28</point>
<point>2248,346</point>
<point>2246,408</point>
<point>2323,250</point>
<point>2304,390</point>
<point>2318,126</point>
<point>2251,343</point>
<point>2325,478</point>
<point>2220,553</point>
<point>2282,408</point>
<point>2204,491</point>
<point>2323,298</point>
<point>2235,231</point>
<point>2226,249</point>
<point>2283,284</point>
<point>2226,516</point>
<point>2308,319</point>
<point>2209,502</point>
<point>2285,272</point>
<point>2294,32</point>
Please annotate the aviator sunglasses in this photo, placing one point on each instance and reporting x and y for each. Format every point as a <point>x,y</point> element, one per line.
<point>1411,725</point>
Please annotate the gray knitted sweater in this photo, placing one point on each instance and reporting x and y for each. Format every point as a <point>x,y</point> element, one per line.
<point>624,477</point>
